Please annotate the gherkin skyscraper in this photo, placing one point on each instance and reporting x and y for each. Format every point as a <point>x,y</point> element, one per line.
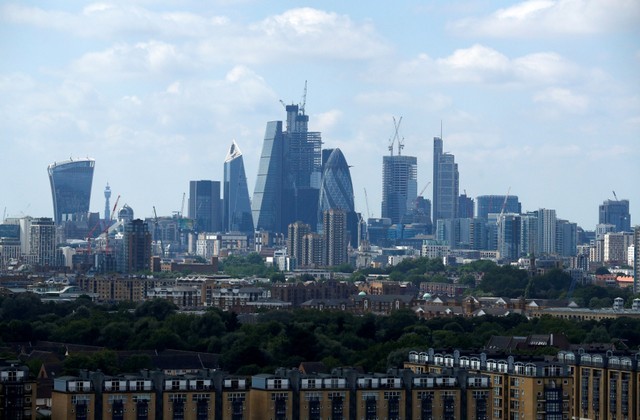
<point>336,189</point>
<point>237,206</point>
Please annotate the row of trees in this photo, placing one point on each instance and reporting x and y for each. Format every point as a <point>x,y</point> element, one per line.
<point>277,338</point>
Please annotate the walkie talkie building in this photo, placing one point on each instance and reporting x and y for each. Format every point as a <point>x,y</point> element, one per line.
<point>71,188</point>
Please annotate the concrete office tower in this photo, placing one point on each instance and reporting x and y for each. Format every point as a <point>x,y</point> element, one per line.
<point>205,206</point>
<point>288,181</point>
<point>237,206</point>
<point>445,183</point>
<point>546,231</point>
<point>295,238</point>
<point>71,189</point>
<point>486,204</point>
<point>42,241</point>
<point>335,235</point>
<point>636,259</point>
<point>107,208</point>
<point>529,234</point>
<point>615,212</point>
<point>137,246</point>
<point>566,238</point>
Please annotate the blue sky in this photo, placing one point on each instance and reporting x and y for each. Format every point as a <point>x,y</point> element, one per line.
<point>541,96</point>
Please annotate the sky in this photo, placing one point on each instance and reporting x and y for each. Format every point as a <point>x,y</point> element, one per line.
<point>540,98</point>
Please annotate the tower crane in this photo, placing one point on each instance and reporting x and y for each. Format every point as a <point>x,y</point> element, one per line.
<point>304,98</point>
<point>504,205</point>
<point>182,207</point>
<point>366,201</point>
<point>157,231</point>
<point>424,189</point>
<point>396,137</point>
<point>615,196</point>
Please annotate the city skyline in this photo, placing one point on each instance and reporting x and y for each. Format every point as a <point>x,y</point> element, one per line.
<point>156,92</point>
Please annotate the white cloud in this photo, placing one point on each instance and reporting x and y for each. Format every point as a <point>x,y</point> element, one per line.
<point>481,64</point>
<point>563,99</point>
<point>545,18</point>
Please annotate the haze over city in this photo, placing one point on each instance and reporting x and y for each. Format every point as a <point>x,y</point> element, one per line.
<point>539,97</point>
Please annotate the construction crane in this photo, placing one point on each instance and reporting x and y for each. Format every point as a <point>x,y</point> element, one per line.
<point>615,196</point>
<point>157,231</point>
<point>424,189</point>
<point>182,207</point>
<point>366,201</point>
<point>396,137</point>
<point>504,205</point>
<point>304,99</point>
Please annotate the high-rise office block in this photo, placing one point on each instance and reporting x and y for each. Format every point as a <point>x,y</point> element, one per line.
<point>205,206</point>
<point>335,235</point>
<point>295,238</point>
<point>509,236</point>
<point>336,192</point>
<point>529,234</point>
<point>636,259</point>
<point>566,238</point>
<point>71,189</point>
<point>42,241</point>
<point>107,196</point>
<point>288,182</point>
<point>137,246</point>
<point>465,207</point>
<point>486,204</point>
<point>546,231</point>
<point>399,186</point>
<point>615,212</point>
<point>237,206</point>
<point>445,183</point>
<point>9,243</point>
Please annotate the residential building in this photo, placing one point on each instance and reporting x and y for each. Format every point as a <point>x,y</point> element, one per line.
<point>445,183</point>
<point>566,238</point>
<point>546,231</point>
<point>136,246</point>
<point>616,245</point>
<point>71,189</point>
<point>636,259</point>
<point>17,392</point>
<point>205,205</point>
<point>615,212</point>
<point>313,250</point>
<point>335,236</point>
<point>295,239</point>
<point>237,205</point>
<point>42,242</point>
<point>509,236</point>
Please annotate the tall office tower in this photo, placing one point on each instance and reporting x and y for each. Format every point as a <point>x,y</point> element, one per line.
<point>509,236</point>
<point>636,259</point>
<point>288,181</point>
<point>313,249</point>
<point>137,246</point>
<point>566,238</point>
<point>42,240</point>
<point>445,183</point>
<point>465,207</point>
<point>615,212</point>
<point>237,206</point>
<point>205,206</point>
<point>336,192</point>
<point>529,234</point>
<point>399,186</point>
<point>295,238</point>
<point>71,189</point>
<point>107,196</point>
<point>335,235</point>
<point>493,204</point>
<point>546,231</point>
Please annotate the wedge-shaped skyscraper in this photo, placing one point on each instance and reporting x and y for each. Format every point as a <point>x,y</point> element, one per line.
<point>288,181</point>
<point>237,206</point>
<point>71,189</point>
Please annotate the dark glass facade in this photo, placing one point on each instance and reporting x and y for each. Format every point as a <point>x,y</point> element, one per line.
<point>205,206</point>
<point>237,206</point>
<point>289,173</point>
<point>445,183</point>
<point>399,186</point>
<point>487,204</point>
<point>615,212</point>
<point>71,189</point>
<point>336,190</point>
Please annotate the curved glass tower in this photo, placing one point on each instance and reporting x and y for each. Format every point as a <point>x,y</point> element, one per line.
<point>237,206</point>
<point>71,188</point>
<point>336,189</point>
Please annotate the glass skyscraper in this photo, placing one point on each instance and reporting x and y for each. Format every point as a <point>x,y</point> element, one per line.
<point>445,183</point>
<point>71,189</point>
<point>615,212</point>
<point>336,190</point>
<point>288,181</point>
<point>399,186</point>
<point>493,204</point>
<point>205,206</point>
<point>237,206</point>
